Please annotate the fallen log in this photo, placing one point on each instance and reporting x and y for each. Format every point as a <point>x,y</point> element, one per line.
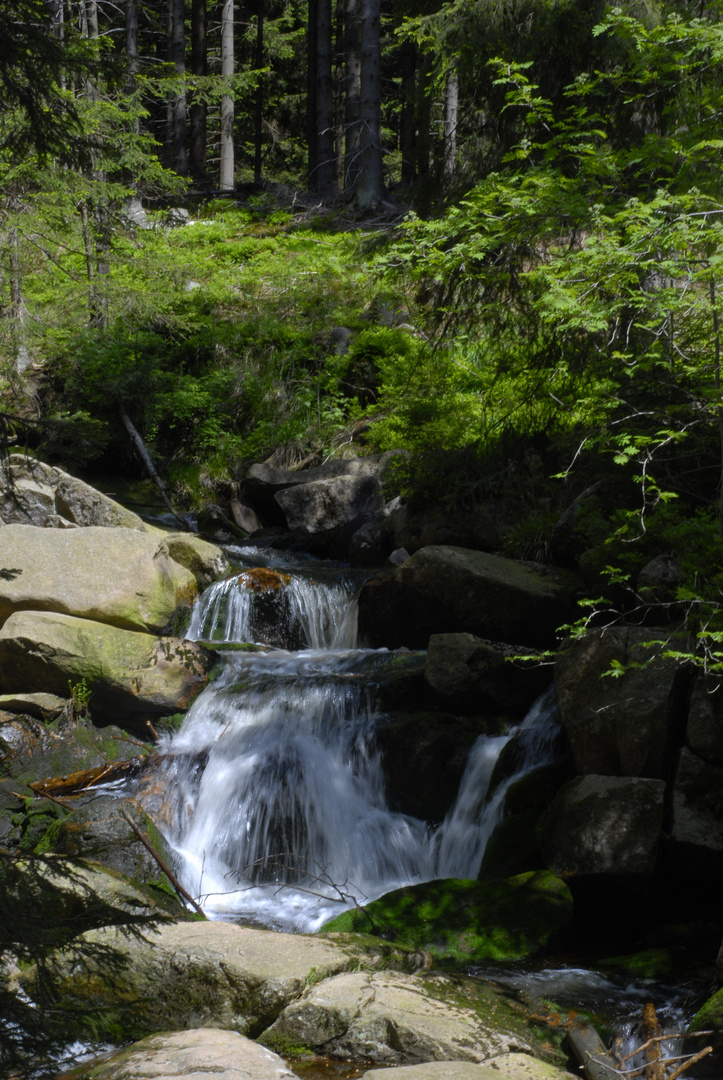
<point>589,1050</point>
<point>73,785</point>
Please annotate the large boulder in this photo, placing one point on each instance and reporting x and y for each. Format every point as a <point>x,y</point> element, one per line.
<point>628,725</point>
<point>33,493</point>
<point>432,525</point>
<point>263,482</point>
<point>126,671</point>
<point>468,674</point>
<point>604,825</point>
<point>697,827</point>
<point>198,1052</point>
<point>118,576</point>
<point>468,922</point>
<point>397,1019</point>
<point>704,730</point>
<point>189,974</point>
<point>327,504</point>
<point>451,590</point>
<point>509,1066</point>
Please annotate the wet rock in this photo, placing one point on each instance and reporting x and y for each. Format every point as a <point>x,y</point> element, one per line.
<point>697,829</point>
<point>214,521</point>
<point>470,675</point>
<point>220,1055</point>
<point>604,825</point>
<point>704,730</point>
<point>98,831</point>
<point>468,921</point>
<point>41,706</point>
<point>188,974</point>
<point>399,1020</point>
<point>509,1066</point>
<point>424,756</point>
<point>126,672</point>
<point>624,726</point>
<point>117,576</point>
<point>372,543</point>
<point>326,504</point>
<point>33,493</point>
<point>451,590</point>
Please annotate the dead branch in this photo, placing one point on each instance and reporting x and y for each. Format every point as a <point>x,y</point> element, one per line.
<point>169,874</point>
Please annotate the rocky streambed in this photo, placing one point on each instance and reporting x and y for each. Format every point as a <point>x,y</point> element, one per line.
<point>616,829</point>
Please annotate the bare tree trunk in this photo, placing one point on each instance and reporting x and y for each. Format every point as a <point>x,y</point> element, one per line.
<point>259,103</point>
<point>370,184</point>
<point>407,126</point>
<point>352,42</point>
<point>226,172</point>
<point>177,106</point>
<point>199,67</point>
<point>91,18</point>
<point>148,462</point>
<point>451,108</point>
<point>326,163</point>
<point>311,87</point>
<point>339,97</point>
<point>17,301</point>
<point>132,54</point>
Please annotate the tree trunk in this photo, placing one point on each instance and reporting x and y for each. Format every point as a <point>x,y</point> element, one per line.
<point>199,67</point>
<point>352,42</point>
<point>17,301</point>
<point>451,107</point>
<point>91,18</point>
<point>132,54</point>
<point>259,103</point>
<point>311,84</point>
<point>407,126</point>
<point>177,106</point>
<point>339,97</point>
<point>326,163</point>
<point>370,184</point>
<point>226,172</point>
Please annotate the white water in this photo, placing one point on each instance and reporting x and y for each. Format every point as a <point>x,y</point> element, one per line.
<point>289,825</point>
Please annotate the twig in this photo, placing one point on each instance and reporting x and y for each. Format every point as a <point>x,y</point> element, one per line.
<point>692,1061</point>
<point>169,874</point>
<point>47,795</point>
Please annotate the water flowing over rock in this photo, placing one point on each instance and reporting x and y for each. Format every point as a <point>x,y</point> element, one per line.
<point>453,590</point>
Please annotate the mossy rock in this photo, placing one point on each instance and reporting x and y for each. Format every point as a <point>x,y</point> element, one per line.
<point>468,922</point>
<point>648,964</point>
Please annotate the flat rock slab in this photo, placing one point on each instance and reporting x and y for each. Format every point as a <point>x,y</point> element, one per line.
<point>398,1019</point>
<point>117,576</point>
<point>223,1055</point>
<point>188,974</point>
<point>505,1067</point>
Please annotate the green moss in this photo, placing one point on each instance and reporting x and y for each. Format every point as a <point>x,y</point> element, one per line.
<point>649,964</point>
<point>710,1017</point>
<point>462,922</point>
<point>283,1045</point>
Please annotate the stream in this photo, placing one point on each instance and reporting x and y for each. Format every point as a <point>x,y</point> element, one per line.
<point>283,820</point>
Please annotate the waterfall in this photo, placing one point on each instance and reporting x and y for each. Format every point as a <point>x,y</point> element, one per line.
<point>288,824</point>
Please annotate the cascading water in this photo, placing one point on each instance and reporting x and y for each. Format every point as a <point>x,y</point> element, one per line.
<point>289,824</point>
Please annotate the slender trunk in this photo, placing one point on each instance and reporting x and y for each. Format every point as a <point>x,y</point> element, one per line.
<point>451,108</point>
<point>423,134</point>
<point>226,172</point>
<point>326,164</point>
<point>371,182</point>
<point>352,42</point>
<point>259,103</point>
<point>91,18</point>
<point>148,462</point>
<point>17,301</point>
<point>407,133</point>
<point>177,105</point>
<point>719,407</point>
<point>339,97</point>
<point>311,87</point>
<point>99,304</point>
<point>132,54</point>
<point>199,67</point>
